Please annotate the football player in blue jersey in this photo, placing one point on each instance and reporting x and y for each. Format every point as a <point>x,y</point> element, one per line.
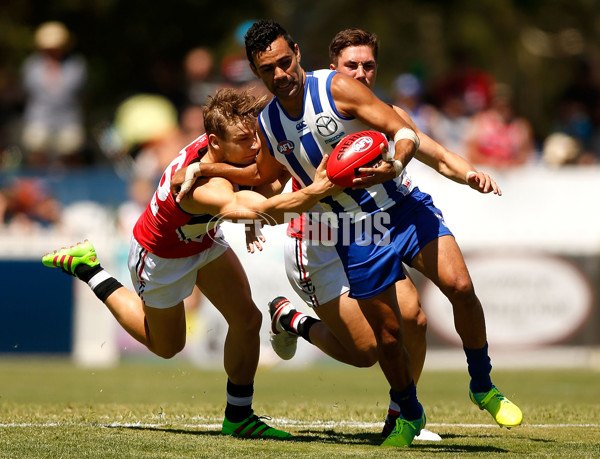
<point>326,104</point>
<point>315,270</point>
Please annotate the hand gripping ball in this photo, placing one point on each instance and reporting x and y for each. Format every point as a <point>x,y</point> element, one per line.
<point>360,149</point>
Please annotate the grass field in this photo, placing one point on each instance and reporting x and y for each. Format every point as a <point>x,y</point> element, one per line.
<point>52,409</point>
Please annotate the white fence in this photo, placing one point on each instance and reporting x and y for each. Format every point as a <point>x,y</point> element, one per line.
<point>519,247</point>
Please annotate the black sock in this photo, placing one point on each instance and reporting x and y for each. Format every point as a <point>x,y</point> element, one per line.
<point>85,272</point>
<point>286,320</point>
<point>239,401</point>
<point>106,287</point>
<point>304,325</point>
<point>298,323</point>
<point>410,407</point>
<point>101,283</point>
<point>479,366</point>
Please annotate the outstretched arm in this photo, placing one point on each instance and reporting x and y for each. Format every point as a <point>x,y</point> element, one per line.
<point>437,157</point>
<point>354,99</point>
<point>274,187</point>
<point>450,164</point>
<point>217,197</point>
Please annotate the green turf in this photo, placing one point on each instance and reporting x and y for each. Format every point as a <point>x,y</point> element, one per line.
<point>52,409</point>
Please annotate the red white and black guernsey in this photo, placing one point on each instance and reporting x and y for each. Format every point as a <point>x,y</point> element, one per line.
<point>164,228</point>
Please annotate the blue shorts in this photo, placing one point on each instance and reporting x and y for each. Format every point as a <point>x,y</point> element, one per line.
<point>373,251</point>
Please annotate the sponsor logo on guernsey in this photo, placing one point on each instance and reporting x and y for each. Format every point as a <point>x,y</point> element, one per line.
<point>301,126</point>
<point>285,147</point>
<point>335,138</point>
<point>326,125</point>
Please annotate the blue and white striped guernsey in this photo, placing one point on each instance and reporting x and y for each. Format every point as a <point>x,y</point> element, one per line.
<point>299,144</point>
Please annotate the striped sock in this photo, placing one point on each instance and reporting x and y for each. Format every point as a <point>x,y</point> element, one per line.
<point>102,283</point>
<point>239,401</point>
<point>298,323</point>
<point>391,418</point>
<point>393,410</point>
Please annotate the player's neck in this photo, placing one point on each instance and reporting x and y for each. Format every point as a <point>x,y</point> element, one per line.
<point>211,156</point>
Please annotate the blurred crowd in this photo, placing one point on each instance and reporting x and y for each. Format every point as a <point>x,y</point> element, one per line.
<point>474,115</point>
<point>44,125</point>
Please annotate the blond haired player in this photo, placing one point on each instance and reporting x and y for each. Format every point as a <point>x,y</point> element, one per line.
<point>309,112</point>
<point>178,245</point>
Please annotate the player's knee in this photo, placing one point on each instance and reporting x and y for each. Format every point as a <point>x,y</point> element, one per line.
<point>255,321</point>
<point>365,358</point>
<point>415,326</point>
<point>171,349</point>
<point>413,317</point>
<point>460,288</point>
<point>248,321</point>
<point>390,337</point>
<point>166,353</point>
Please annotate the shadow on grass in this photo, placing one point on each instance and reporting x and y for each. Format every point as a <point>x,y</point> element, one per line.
<point>375,439</point>
<point>207,433</point>
<point>341,438</point>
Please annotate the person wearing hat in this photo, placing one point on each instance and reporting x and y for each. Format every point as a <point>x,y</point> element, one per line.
<point>53,79</point>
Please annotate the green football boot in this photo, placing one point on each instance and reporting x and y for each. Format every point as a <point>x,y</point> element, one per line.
<point>504,412</point>
<point>69,258</point>
<point>252,427</point>
<point>405,431</point>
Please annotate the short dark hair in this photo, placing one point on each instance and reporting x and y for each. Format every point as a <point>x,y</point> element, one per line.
<point>352,37</point>
<point>260,36</point>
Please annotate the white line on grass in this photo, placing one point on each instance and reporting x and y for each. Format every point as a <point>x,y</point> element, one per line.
<point>277,422</point>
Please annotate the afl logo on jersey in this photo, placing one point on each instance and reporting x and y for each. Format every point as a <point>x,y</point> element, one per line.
<point>285,147</point>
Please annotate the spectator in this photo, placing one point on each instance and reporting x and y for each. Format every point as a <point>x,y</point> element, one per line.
<point>53,80</point>
<point>578,114</point>
<point>11,112</point>
<point>407,93</point>
<point>198,67</point>
<point>27,204</point>
<point>451,123</point>
<point>147,129</point>
<point>575,120</point>
<point>234,66</point>
<point>191,123</point>
<point>472,85</point>
<point>561,150</point>
<point>497,137</point>
<point>145,133</point>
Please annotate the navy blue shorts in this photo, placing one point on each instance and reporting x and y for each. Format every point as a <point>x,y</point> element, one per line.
<point>373,250</point>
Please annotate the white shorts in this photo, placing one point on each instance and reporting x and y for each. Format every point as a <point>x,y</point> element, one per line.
<point>164,282</point>
<point>314,270</point>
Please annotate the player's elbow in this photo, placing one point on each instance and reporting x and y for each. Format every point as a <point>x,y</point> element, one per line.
<point>253,177</point>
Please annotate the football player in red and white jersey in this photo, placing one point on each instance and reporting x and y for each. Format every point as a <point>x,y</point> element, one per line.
<point>439,158</point>
<point>177,245</point>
